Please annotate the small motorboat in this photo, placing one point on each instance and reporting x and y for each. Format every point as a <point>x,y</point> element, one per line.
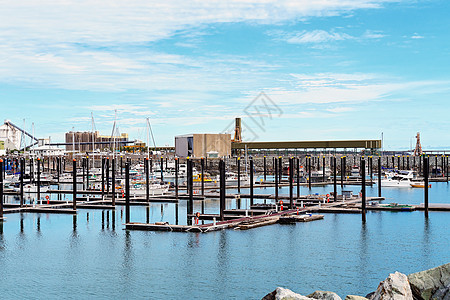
<point>419,185</point>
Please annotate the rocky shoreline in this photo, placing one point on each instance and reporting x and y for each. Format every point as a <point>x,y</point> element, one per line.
<point>432,284</point>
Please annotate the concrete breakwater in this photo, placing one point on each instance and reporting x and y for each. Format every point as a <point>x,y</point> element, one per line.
<point>432,284</point>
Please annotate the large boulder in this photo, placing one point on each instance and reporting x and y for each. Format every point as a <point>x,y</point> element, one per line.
<point>431,284</point>
<point>284,294</point>
<point>395,287</point>
<point>323,295</point>
<point>354,297</point>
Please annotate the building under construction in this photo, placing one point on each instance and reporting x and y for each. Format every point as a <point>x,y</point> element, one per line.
<point>90,141</point>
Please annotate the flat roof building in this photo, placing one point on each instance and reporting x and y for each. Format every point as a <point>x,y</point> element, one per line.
<point>88,141</point>
<point>203,145</point>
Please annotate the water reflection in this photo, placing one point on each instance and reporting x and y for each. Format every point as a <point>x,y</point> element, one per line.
<point>74,224</point>
<point>103,220</point>
<point>363,254</point>
<point>127,263</point>
<point>426,241</point>
<point>38,225</point>
<point>2,238</point>
<point>113,216</point>
<point>193,240</point>
<point>222,256</point>
<point>21,223</point>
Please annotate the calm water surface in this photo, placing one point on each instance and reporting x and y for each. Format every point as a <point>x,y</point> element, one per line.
<point>90,256</point>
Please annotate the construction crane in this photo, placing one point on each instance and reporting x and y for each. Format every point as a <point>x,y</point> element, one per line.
<point>418,150</point>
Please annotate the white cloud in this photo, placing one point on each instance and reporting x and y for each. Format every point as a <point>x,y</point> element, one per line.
<point>133,109</point>
<point>106,46</point>
<point>371,34</point>
<point>417,36</point>
<point>340,109</point>
<point>330,88</point>
<point>149,20</point>
<point>316,36</point>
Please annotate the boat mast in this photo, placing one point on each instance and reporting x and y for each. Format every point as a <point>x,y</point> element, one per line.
<point>148,139</point>
<point>93,147</point>
<point>114,133</point>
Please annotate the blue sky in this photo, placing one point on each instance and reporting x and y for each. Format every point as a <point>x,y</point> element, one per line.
<point>335,69</point>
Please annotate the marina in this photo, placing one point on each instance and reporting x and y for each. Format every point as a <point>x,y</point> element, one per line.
<point>228,213</point>
<point>245,149</point>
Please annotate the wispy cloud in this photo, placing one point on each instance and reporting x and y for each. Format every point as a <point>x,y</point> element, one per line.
<point>316,36</point>
<point>321,37</point>
<point>417,36</point>
<point>373,34</point>
<point>331,88</point>
<point>133,109</point>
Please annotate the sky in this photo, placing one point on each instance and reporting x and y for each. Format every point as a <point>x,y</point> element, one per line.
<point>292,70</point>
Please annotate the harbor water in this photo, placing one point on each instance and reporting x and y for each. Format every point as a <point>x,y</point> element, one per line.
<point>90,255</point>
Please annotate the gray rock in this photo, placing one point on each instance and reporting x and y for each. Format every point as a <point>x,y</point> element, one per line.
<point>323,295</point>
<point>395,287</point>
<point>284,294</point>
<point>354,297</point>
<point>431,284</point>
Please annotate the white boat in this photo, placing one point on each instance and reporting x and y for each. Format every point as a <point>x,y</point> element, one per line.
<point>400,179</point>
<point>31,188</point>
<point>154,189</point>
<point>318,174</point>
<point>231,178</point>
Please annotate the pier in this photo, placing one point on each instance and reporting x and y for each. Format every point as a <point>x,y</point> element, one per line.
<point>275,172</point>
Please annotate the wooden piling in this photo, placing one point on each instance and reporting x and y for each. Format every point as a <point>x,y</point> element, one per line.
<point>74,183</point>
<point>107,176</point>
<point>147,179</point>
<point>38,179</point>
<point>363,189</point>
<point>291,179</point>
<point>323,169</point>
<point>222,189</point>
<point>87,171</point>
<point>176,177</point>
<point>298,177</point>
<point>239,174</point>
<point>425,177</point>
<point>251,181</point>
<point>190,187</point>
<point>264,168</point>
<point>202,166</point>
<point>309,173</point>
<point>1,189</point>
<point>162,169</point>
<point>276,179</point>
<point>103,177</point>
<point>334,179</point>
<point>22,173</point>
<point>127,192</point>
<point>280,169</point>
<point>379,176</point>
<point>113,182</point>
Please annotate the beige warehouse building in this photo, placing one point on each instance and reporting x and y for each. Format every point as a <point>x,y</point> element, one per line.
<point>203,145</point>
